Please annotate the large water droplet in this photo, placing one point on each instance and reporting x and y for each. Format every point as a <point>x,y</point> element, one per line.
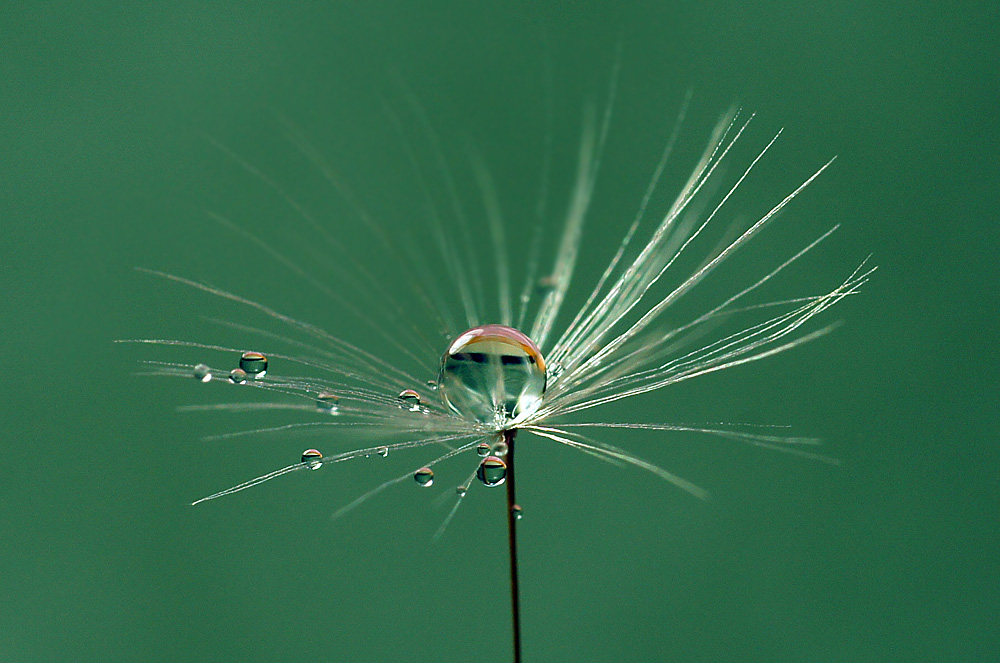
<point>202,373</point>
<point>254,363</point>
<point>492,471</point>
<point>410,400</point>
<point>238,376</point>
<point>327,402</point>
<point>313,457</point>
<point>424,477</point>
<point>492,374</point>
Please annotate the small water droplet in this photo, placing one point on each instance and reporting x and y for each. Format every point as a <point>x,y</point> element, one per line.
<point>517,511</point>
<point>424,477</point>
<point>202,373</point>
<point>461,490</point>
<point>254,363</point>
<point>327,402</point>
<point>238,376</point>
<point>313,457</point>
<point>383,451</point>
<point>492,471</point>
<point>483,449</point>
<point>500,449</point>
<point>547,284</point>
<point>410,399</point>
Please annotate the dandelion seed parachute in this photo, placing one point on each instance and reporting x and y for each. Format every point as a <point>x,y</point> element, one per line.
<point>494,378</point>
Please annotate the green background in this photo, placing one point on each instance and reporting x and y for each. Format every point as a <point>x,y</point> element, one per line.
<point>108,120</point>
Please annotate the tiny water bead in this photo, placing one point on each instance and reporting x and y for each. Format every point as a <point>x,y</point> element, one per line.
<point>424,477</point>
<point>238,376</point>
<point>327,402</point>
<point>483,449</point>
<point>410,400</point>
<point>492,471</point>
<point>202,373</point>
<point>500,449</point>
<point>517,511</point>
<point>492,374</point>
<point>254,363</point>
<point>313,457</point>
<point>461,490</point>
<point>382,451</point>
<point>546,284</point>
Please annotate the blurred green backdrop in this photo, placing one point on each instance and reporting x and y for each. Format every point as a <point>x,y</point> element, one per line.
<point>109,118</point>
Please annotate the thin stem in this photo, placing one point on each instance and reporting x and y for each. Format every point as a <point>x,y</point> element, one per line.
<point>515,602</point>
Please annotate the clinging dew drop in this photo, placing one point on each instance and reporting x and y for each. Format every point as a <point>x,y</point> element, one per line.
<point>410,400</point>
<point>254,364</point>
<point>492,471</point>
<point>313,457</point>
<point>424,477</point>
<point>327,402</point>
<point>202,373</point>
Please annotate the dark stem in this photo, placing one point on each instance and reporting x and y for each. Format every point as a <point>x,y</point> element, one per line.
<point>515,601</point>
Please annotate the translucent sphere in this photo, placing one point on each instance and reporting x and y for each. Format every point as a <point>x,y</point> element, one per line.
<point>492,374</point>
<point>254,364</point>
<point>424,477</point>
<point>313,457</point>
<point>492,471</point>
